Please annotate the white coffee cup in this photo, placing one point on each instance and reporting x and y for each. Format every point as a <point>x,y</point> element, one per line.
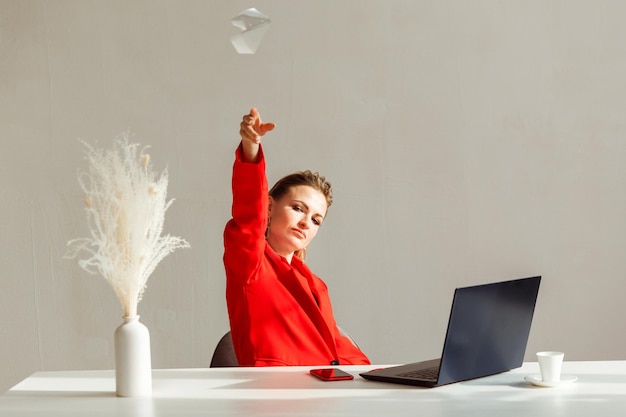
<point>550,364</point>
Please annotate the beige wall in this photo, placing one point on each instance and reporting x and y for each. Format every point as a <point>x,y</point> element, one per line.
<point>468,142</point>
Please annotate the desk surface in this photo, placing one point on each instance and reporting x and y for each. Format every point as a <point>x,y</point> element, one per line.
<point>290,391</point>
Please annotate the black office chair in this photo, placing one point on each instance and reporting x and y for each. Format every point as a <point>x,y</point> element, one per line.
<point>224,354</point>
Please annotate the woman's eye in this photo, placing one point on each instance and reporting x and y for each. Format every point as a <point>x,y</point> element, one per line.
<point>297,208</point>
<point>317,222</point>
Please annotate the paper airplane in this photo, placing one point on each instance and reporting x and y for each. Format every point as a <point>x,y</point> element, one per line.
<point>254,25</point>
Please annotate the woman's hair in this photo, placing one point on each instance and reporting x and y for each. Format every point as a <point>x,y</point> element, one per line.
<point>313,180</point>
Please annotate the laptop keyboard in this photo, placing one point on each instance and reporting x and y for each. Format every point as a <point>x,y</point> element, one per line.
<point>427,374</point>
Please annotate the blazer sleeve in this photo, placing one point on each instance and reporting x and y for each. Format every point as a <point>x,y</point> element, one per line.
<point>244,235</point>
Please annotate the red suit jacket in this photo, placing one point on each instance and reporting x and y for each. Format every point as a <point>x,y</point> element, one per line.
<point>280,314</point>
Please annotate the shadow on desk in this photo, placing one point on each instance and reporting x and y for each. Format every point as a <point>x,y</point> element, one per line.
<point>504,379</point>
<point>62,394</point>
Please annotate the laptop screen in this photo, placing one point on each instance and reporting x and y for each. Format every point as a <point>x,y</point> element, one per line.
<point>488,329</point>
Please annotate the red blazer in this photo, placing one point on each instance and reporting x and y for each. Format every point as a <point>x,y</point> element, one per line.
<point>280,314</point>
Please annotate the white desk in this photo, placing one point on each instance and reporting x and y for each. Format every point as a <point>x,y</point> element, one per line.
<point>290,391</point>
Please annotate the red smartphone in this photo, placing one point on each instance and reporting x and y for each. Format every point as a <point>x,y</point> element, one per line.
<point>331,374</point>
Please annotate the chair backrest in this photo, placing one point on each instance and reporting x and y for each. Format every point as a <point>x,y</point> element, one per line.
<point>224,354</point>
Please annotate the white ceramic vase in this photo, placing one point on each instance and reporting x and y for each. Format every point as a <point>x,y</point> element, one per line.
<point>133,365</point>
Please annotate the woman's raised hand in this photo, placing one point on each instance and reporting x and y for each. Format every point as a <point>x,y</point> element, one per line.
<point>252,128</point>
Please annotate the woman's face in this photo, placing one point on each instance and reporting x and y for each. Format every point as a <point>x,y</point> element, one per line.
<point>295,219</point>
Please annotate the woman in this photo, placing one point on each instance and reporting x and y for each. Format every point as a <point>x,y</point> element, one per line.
<point>279,311</point>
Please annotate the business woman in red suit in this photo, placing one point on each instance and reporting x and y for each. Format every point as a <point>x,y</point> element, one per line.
<point>280,312</point>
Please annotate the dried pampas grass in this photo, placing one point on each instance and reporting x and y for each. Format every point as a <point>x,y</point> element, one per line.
<point>125,204</point>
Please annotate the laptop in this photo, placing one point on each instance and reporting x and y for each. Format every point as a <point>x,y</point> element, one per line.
<point>487,334</point>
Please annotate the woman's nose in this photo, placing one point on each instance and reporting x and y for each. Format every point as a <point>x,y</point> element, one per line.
<point>304,223</point>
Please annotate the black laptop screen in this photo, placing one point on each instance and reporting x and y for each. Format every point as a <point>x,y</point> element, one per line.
<point>488,329</point>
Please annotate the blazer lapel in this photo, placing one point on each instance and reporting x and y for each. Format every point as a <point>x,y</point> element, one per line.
<point>303,295</point>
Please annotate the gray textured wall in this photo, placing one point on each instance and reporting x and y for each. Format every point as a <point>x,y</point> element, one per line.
<point>468,142</point>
